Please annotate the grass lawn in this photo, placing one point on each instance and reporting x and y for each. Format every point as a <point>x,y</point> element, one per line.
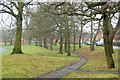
<point>97,59</point>
<point>96,62</point>
<point>35,62</point>
<point>90,75</point>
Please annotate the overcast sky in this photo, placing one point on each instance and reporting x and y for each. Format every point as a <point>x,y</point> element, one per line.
<point>6,19</point>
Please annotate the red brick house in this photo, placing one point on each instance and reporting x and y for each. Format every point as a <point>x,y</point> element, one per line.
<point>100,36</point>
<point>115,40</point>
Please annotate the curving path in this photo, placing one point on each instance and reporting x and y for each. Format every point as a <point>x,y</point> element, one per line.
<point>3,50</point>
<point>73,68</point>
<point>67,70</point>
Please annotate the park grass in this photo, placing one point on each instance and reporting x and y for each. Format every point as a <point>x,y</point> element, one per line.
<point>96,62</point>
<point>35,62</point>
<point>97,59</point>
<point>90,75</point>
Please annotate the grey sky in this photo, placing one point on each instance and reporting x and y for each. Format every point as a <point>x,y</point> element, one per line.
<point>7,19</point>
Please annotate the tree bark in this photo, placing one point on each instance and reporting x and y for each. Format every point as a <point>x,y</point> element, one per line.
<point>51,42</point>
<point>111,43</point>
<point>80,41</point>
<point>68,51</point>
<point>91,39</point>
<point>45,43</point>
<point>65,43</point>
<point>17,47</point>
<point>96,36</point>
<point>107,44</point>
<point>5,42</point>
<point>36,43</point>
<point>61,42</point>
<point>29,41</point>
<point>66,39</point>
<point>74,40</point>
<point>11,42</point>
<point>56,41</point>
<point>40,41</point>
<point>81,31</point>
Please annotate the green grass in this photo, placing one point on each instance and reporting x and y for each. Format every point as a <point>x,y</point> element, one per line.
<point>31,63</point>
<point>90,75</point>
<point>96,62</point>
<point>34,63</point>
<point>97,59</point>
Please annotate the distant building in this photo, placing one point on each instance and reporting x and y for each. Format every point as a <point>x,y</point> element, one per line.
<point>117,36</point>
<point>115,40</point>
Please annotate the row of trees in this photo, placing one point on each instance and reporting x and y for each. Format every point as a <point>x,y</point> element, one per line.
<point>61,18</point>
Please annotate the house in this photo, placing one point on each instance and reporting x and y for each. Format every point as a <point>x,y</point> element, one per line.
<point>100,36</point>
<point>115,40</point>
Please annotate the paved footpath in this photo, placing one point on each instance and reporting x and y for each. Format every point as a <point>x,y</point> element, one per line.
<point>73,68</point>
<point>2,50</point>
<point>67,70</point>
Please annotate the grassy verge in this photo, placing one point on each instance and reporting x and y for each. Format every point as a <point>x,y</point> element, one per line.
<point>90,75</point>
<point>96,62</point>
<point>97,59</point>
<point>35,62</point>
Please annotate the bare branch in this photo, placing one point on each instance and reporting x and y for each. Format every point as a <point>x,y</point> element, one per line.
<point>4,11</point>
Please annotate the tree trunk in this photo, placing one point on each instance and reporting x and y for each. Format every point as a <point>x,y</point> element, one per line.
<point>51,42</point>
<point>65,44</point>
<point>107,44</point>
<point>112,34</point>
<point>66,39</point>
<point>91,39</point>
<point>81,31</point>
<point>11,42</point>
<point>5,41</point>
<point>17,47</point>
<point>45,43</point>
<point>74,40</point>
<point>96,36</point>
<point>56,41</point>
<point>40,41</point>
<point>80,41</point>
<point>36,43</point>
<point>29,41</point>
<point>111,41</point>
<point>61,42</point>
<point>68,51</point>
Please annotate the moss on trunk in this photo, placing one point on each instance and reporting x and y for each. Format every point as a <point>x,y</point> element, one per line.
<point>74,40</point>
<point>17,46</point>
<point>61,41</point>
<point>107,44</point>
<point>68,49</point>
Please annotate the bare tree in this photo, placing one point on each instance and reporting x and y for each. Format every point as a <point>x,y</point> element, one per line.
<point>6,8</point>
